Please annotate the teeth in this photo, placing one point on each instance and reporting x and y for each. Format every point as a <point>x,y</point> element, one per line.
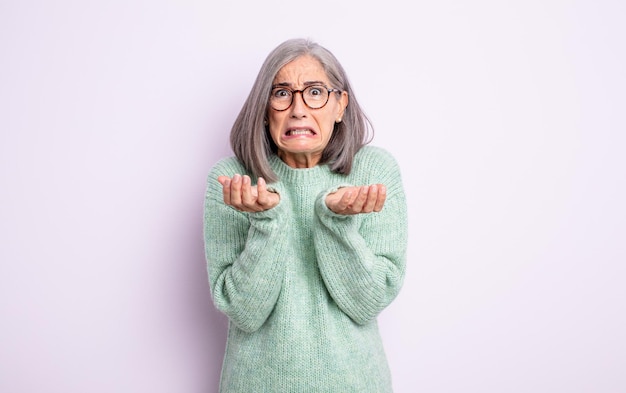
<point>299,132</point>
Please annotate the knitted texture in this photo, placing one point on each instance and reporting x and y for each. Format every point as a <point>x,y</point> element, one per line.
<point>301,285</point>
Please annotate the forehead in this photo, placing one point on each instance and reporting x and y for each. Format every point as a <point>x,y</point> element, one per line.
<point>301,70</point>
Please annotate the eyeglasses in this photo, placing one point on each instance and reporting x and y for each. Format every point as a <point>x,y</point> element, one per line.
<point>314,96</point>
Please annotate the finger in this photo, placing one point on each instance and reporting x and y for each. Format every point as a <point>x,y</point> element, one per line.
<point>382,197</point>
<point>225,182</point>
<point>246,193</point>
<point>345,203</point>
<point>235,191</point>
<point>372,197</point>
<point>360,200</point>
<point>262,196</point>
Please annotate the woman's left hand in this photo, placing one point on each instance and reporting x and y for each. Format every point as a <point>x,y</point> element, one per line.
<point>355,200</point>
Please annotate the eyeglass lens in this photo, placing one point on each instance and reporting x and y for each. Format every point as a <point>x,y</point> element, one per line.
<point>314,97</point>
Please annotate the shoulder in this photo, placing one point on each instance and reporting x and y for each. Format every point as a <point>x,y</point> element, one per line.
<point>227,166</point>
<point>374,164</point>
<point>374,156</point>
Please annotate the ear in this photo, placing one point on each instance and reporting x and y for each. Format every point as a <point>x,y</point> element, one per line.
<point>343,104</point>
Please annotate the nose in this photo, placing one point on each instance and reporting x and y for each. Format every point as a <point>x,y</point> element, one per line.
<point>298,107</point>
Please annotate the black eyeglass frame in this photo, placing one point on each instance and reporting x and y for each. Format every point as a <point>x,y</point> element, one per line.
<point>293,94</point>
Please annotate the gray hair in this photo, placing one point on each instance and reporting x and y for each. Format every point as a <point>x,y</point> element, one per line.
<point>250,138</point>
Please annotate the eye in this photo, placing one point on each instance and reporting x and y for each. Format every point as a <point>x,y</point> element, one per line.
<point>315,91</point>
<point>281,93</point>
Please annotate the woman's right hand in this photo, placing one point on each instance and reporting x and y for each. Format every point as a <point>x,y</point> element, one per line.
<point>243,196</point>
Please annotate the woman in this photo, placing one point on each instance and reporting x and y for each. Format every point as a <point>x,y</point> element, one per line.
<point>305,233</point>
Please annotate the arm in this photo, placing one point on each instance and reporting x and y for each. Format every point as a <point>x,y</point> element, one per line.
<point>244,257</point>
<point>362,256</point>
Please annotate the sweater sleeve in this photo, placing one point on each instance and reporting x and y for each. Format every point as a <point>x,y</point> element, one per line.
<point>244,257</point>
<point>362,257</point>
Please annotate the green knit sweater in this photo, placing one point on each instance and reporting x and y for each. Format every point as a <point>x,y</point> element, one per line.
<point>301,285</point>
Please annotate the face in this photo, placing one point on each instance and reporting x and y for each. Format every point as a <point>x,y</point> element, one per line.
<point>299,132</point>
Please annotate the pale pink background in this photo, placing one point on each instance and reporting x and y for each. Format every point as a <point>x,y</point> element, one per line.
<point>507,119</point>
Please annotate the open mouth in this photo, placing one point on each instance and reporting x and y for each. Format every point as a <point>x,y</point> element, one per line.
<point>299,131</point>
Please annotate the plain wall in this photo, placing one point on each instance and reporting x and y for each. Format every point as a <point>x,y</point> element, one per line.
<point>507,119</point>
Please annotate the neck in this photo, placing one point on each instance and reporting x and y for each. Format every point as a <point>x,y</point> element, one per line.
<point>303,160</point>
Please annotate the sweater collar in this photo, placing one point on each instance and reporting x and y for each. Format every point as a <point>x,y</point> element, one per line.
<point>288,174</point>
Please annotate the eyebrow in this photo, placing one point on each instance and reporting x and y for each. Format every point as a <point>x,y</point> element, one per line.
<point>288,84</point>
